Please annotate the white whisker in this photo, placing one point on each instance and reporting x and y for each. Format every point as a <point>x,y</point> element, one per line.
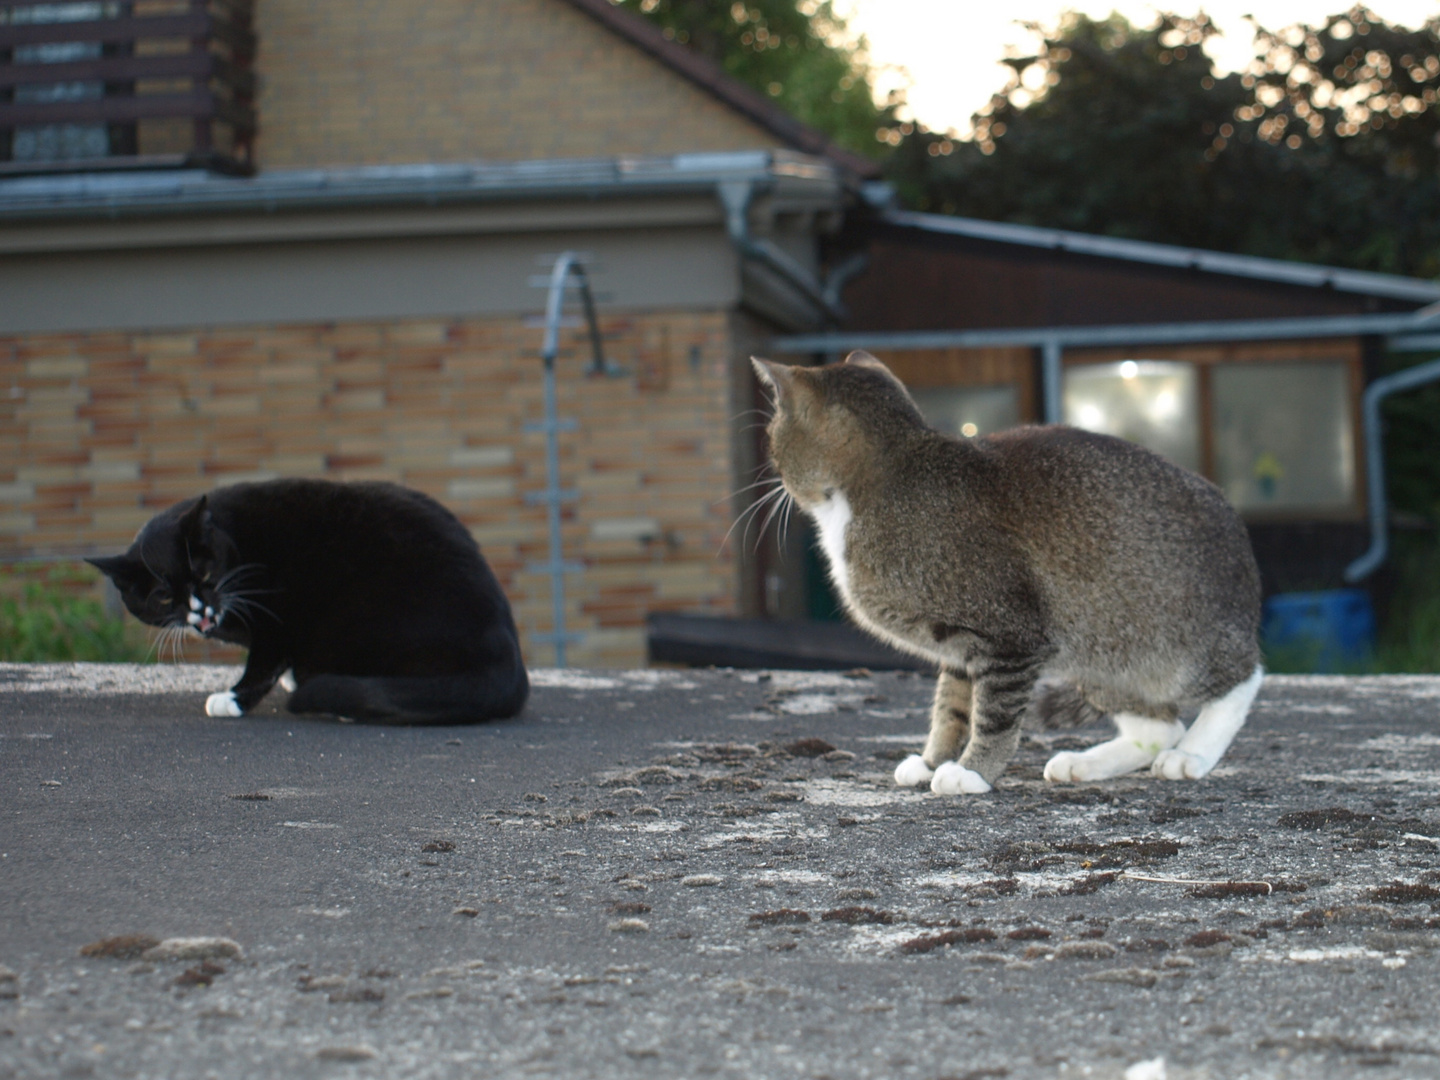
<point>748,515</point>
<point>750,412</point>
<point>748,487</point>
<point>775,507</point>
<point>789,502</point>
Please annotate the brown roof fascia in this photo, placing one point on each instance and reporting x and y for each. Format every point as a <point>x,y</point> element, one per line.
<point>710,77</point>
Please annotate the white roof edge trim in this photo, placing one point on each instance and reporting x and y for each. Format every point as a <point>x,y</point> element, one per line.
<point>1312,275</point>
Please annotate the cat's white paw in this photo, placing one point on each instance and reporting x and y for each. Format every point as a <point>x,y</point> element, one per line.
<point>912,772</point>
<point>288,683</point>
<point>223,705</point>
<point>1067,768</point>
<point>1180,765</point>
<point>952,778</point>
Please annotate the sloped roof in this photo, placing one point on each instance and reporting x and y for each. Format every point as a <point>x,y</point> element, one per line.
<point>712,78</point>
<point>1340,279</point>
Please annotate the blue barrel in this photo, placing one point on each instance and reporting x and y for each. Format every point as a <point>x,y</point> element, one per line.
<point>1332,630</point>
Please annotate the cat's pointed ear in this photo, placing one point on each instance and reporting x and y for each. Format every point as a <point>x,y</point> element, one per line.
<point>193,520</point>
<point>780,378</point>
<point>118,568</point>
<point>861,358</point>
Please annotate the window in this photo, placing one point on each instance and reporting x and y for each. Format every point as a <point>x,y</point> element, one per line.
<point>1283,436</point>
<point>69,141</point>
<point>88,84</point>
<point>1280,435</point>
<point>969,410</point>
<point>1154,403</point>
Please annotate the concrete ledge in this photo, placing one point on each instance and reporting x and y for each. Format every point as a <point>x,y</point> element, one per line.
<point>703,873</point>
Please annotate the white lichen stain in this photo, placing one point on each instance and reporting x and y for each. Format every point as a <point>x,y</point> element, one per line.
<point>1418,777</point>
<point>828,792</point>
<point>875,937</point>
<point>803,680</point>
<point>652,678</point>
<point>791,877</point>
<point>657,827</point>
<point>1401,744</point>
<point>570,679</point>
<point>1334,954</point>
<point>107,680</point>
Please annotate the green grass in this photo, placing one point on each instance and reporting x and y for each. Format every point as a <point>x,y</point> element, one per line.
<point>1410,639</point>
<point>53,612</point>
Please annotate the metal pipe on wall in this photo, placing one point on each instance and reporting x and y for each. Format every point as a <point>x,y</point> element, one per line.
<point>1377,392</point>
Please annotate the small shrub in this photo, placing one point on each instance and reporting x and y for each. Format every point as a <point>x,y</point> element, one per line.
<point>51,613</point>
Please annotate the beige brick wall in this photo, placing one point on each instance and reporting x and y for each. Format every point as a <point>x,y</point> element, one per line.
<point>348,82</point>
<point>100,431</point>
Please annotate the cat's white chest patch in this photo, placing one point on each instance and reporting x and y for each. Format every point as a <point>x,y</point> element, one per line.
<point>831,518</point>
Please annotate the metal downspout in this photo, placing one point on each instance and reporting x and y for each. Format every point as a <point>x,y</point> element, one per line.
<point>1377,392</point>
<point>736,196</point>
<point>1052,377</point>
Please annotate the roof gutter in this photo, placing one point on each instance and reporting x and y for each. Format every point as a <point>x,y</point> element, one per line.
<point>736,196</point>
<point>135,195</point>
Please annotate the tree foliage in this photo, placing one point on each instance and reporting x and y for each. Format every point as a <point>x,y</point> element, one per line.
<point>796,52</point>
<point>1323,150</point>
<point>1356,98</point>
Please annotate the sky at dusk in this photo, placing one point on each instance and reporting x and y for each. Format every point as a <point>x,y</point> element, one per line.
<point>939,48</point>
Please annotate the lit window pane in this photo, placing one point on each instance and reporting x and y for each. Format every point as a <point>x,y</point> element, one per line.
<point>1150,402</point>
<point>968,410</point>
<point>1283,436</point>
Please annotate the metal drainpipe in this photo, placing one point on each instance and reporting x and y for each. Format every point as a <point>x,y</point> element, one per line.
<point>1053,376</point>
<point>736,196</point>
<point>1377,392</point>
<point>567,265</point>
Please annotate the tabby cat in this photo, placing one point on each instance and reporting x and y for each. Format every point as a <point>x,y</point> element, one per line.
<point>1046,571</point>
<point>374,597</point>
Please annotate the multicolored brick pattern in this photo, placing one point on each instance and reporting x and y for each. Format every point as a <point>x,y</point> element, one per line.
<point>363,82</point>
<point>100,431</point>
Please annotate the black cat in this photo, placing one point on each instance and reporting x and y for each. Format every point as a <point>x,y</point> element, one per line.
<point>373,595</point>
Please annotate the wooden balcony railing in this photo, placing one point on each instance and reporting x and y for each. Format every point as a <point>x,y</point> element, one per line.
<point>101,84</point>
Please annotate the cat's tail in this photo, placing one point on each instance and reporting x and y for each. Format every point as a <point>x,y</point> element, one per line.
<point>1061,705</point>
<point>440,699</point>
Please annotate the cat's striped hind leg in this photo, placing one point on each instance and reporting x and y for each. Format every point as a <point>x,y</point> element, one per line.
<point>949,728</point>
<point>1140,741</point>
<point>1210,735</point>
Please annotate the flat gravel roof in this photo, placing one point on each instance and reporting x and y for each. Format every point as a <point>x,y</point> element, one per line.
<point>703,873</point>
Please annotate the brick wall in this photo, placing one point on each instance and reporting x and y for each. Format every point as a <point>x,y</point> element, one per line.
<point>100,431</point>
<point>386,81</point>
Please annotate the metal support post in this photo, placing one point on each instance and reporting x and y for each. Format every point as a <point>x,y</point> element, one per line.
<point>1052,378</point>
<point>568,272</point>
